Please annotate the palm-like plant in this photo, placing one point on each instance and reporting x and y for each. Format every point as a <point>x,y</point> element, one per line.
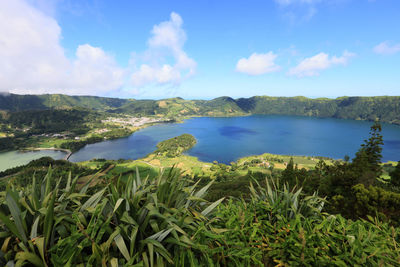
<point>143,222</point>
<point>283,202</point>
<point>33,216</point>
<point>158,219</point>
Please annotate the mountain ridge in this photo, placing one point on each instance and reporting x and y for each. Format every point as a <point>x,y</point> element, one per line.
<point>383,108</point>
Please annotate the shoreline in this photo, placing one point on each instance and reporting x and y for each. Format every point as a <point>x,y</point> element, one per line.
<point>69,152</point>
<point>184,118</point>
<point>188,117</point>
<point>67,156</point>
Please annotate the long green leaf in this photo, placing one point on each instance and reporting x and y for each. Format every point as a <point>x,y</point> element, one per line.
<point>93,200</point>
<point>35,227</point>
<point>49,218</point>
<point>119,241</point>
<point>16,214</point>
<point>30,257</point>
<point>202,191</point>
<point>212,206</point>
<point>10,225</point>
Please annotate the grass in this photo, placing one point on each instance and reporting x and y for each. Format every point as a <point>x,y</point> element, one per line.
<point>153,164</point>
<point>189,164</point>
<point>50,142</point>
<point>307,162</point>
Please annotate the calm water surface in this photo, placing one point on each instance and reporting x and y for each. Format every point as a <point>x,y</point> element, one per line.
<point>16,158</point>
<point>227,139</point>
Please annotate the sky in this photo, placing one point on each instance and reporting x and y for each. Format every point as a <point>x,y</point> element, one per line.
<point>200,49</point>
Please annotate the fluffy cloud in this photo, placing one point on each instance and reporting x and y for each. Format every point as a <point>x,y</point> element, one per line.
<point>167,41</point>
<point>313,65</point>
<point>93,68</point>
<point>385,48</point>
<point>258,64</point>
<point>33,61</point>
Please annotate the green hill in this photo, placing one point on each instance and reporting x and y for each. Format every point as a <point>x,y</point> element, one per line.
<point>384,108</point>
<point>12,102</point>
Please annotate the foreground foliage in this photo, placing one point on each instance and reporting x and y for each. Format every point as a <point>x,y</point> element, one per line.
<point>143,222</point>
<point>324,240</point>
<point>165,221</point>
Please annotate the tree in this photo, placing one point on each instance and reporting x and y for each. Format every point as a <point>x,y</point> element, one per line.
<point>368,158</point>
<point>288,175</point>
<point>395,175</point>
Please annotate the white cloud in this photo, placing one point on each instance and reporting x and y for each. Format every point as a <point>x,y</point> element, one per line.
<point>258,64</point>
<point>313,65</point>
<point>385,48</point>
<point>93,68</point>
<point>32,59</point>
<point>166,42</point>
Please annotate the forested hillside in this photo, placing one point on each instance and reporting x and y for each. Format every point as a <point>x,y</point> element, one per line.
<point>384,108</point>
<point>12,102</point>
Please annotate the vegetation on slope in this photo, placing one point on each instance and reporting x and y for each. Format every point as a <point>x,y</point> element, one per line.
<point>22,129</point>
<point>12,102</point>
<point>51,121</point>
<point>165,221</point>
<point>59,128</point>
<point>384,108</point>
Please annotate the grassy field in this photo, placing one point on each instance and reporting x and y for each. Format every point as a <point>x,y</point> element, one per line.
<point>49,142</point>
<point>280,161</point>
<point>153,164</point>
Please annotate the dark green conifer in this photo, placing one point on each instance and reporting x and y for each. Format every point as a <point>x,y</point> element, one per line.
<point>288,175</point>
<point>395,175</point>
<point>368,158</point>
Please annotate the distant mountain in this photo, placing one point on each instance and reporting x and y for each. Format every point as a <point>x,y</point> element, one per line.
<point>384,108</point>
<point>12,102</point>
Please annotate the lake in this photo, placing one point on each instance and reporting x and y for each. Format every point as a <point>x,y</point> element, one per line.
<point>228,139</point>
<point>16,158</point>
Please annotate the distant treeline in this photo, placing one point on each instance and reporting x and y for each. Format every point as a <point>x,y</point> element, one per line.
<point>384,108</point>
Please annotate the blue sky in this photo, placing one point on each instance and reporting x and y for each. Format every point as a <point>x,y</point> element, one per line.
<point>201,49</point>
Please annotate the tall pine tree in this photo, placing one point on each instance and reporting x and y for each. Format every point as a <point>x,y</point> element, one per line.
<point>368,158</point>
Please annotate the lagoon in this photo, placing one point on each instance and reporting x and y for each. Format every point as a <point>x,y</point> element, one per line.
<point>228,139</point>
<point>17,158</point>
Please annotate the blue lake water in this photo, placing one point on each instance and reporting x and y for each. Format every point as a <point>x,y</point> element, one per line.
<point>227,139</point>
<point>12,159</point>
